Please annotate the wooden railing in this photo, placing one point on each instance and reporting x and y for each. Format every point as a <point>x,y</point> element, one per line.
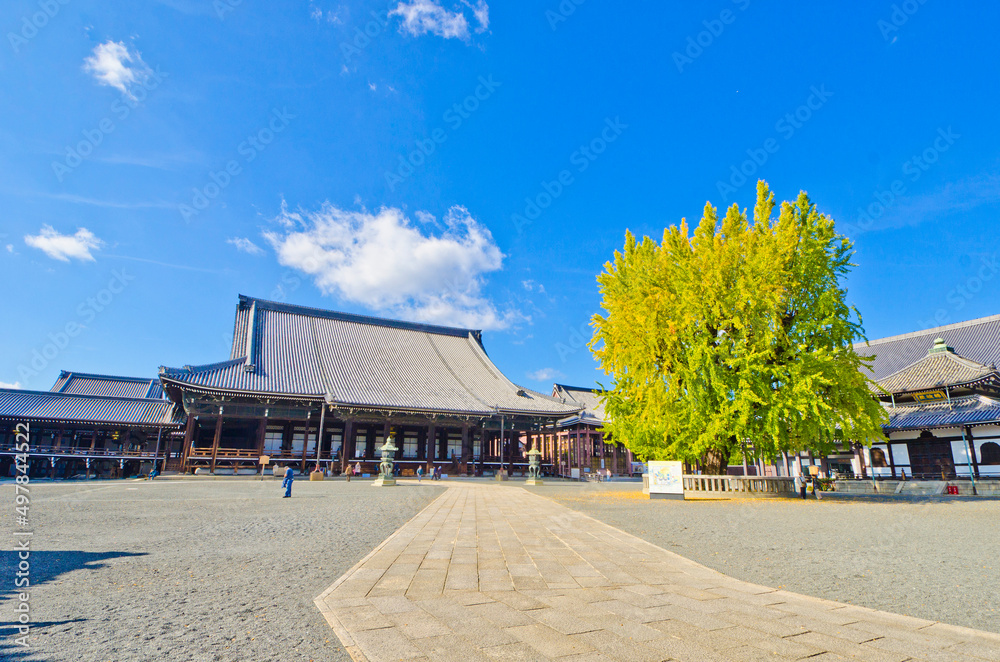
<point>83,452</point>
<point>748,485</point>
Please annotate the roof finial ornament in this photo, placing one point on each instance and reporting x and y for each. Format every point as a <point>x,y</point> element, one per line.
<point>939,347</point>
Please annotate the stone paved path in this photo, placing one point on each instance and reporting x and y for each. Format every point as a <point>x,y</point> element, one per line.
<point>497,573</point>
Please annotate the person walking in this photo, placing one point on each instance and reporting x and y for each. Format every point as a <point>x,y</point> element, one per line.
<point>287,482</point>
<point>800,485</point>
<point>420,473</point>
<point>357,469</point>
<point>349,471</point>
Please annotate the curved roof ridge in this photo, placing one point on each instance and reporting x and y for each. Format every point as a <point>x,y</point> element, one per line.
<point>930,331</point>
<point>308,311</point>
<point>207,367</point>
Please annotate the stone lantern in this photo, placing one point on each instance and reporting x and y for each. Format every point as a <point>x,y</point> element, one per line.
<point>534,467</point>
<point>386,474</point>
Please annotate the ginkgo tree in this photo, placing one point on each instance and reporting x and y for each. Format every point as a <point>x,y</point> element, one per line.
<point>735,340</point>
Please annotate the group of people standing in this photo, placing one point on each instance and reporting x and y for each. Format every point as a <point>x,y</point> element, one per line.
<point>435,473</point>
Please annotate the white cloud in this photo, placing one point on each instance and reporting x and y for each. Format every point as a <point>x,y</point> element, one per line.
<point>113,64</point>
<point>9,385</point>
<point>64,246</point>
<point>245,245</point>
<point>545,375</point>
<point>385,262</point>
<point>10,248</point>
<point>423,16</point>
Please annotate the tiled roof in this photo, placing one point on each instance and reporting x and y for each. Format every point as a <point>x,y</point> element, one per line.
<point>593,408</point>
<point>81,383</point>
<point>354,360</point>
<point>45,405</point>
<point>941,368</point>
<point>969,410</point>
<point>976,340</point>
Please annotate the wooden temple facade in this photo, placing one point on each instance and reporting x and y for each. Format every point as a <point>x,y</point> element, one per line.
<point>577,446</point>
<point>90,425</point>
<point>312,388</point>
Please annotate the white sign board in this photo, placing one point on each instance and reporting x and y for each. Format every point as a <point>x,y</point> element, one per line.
<point>666,480</point>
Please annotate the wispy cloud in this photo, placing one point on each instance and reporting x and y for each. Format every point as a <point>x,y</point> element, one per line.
<point>9,385</point>
<point>387,263</point>
<point>113,64</point>
<point>112,204</point>
<point>545,375</point>
<point>428,16</point>
<point>183,267</point>
<point>244,245</point>
<point>962,195</point>
<point>63,247</point>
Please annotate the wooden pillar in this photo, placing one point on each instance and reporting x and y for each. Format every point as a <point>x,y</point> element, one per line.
<point>216,439</point>
<point>320,432</point>
<point>261,432</point>
<point>430,445</point>
<point>443,446</point>
<point>892,461</point>
<point>481,429</point>
<point>970,448</point>
<point>345,444</point>
<point>579,450</point>
<point>305,442</point>
<point>466,449</point>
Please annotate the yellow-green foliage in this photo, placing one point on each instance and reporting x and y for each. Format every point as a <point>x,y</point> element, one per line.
<point>736,337</point>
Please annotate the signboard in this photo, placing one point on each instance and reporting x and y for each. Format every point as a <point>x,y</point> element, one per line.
<point>666,480</point>
<point>264,459</point>
<point>930,396</point>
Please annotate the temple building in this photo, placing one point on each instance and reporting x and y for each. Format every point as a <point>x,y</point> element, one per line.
<point>578,446</point>
<point>89,425</point>
<point>943,400</point>
<point>315,388</point>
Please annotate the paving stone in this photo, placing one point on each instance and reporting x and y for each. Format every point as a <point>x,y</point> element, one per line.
<point>516,652</point>
<point>501,614</point>
<point>496,573</point>
<point>387,644</point>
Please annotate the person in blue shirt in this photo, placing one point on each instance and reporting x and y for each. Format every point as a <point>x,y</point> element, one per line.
<point>287,483</point>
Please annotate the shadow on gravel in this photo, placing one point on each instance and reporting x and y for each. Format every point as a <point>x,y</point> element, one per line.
<point>46,566</point>
<point>9,650</point>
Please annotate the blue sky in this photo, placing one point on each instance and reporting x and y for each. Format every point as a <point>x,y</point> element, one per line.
<point>466,163</point>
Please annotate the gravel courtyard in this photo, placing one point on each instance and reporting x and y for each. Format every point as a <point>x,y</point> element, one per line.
<point>935,560</point>
<point>221,570</point>
<point>226,570</point>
